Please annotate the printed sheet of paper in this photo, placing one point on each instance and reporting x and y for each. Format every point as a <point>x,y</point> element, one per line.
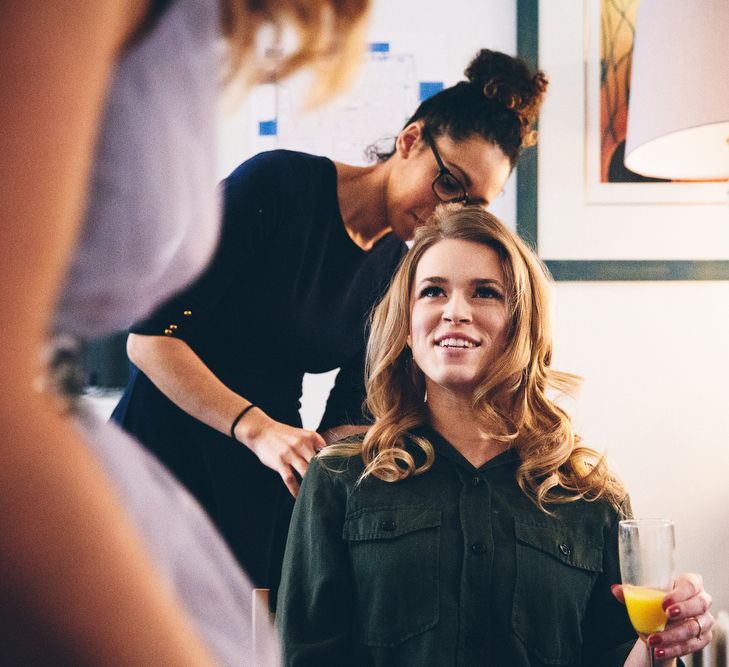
<point>372,110</point>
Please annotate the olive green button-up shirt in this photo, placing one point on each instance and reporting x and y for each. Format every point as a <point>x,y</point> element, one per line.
<point>452,567</point>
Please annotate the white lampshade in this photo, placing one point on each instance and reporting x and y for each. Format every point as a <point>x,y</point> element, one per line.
<point>678,114</point>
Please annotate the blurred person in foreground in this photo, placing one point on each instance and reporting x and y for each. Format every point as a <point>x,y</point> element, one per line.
<point>110,204</point>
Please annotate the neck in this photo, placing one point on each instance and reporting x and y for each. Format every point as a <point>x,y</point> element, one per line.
<point>455,419</point>
<point>363,203</point>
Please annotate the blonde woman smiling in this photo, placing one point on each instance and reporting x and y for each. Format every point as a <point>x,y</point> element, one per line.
<point>469,526</point>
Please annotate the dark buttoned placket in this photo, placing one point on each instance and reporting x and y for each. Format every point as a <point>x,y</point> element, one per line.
<point>475,502</point>
<point>478,553</point>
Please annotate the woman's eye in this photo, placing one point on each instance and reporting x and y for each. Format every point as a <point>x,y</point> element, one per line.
<point>488,293</point>
<point>449,184</point>
<point>431,290</point>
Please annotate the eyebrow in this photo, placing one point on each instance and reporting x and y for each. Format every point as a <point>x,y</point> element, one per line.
<point>476,282</point>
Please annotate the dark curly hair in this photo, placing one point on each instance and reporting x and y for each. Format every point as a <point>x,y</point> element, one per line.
<point>499,101</point>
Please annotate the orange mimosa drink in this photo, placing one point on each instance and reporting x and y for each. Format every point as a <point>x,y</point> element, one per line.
<point>644,608</point>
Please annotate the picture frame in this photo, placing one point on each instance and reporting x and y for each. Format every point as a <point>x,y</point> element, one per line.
<point>586,238</point>
<point>608,52</point>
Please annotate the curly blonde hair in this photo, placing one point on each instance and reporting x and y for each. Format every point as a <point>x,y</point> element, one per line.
<point>511,402</point>
<point>329,36</point>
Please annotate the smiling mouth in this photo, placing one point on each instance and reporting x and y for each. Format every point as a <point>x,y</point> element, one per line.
<point>460,343</point>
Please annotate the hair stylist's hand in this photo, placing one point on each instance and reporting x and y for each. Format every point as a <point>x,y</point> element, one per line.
<point>689,624</point>
<point>278,446</point>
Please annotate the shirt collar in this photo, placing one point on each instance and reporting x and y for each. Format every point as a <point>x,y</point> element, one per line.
<point>447,450</point>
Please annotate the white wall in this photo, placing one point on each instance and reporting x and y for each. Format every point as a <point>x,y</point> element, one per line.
<point>656,365</point>
<point>654,355</point>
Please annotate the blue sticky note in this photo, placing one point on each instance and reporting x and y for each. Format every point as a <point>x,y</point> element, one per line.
<point>429,88</point>
<point>267,128</point>
<point>379,47</point>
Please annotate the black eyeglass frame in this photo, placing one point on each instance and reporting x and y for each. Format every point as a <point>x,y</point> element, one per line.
<point>443,171</point>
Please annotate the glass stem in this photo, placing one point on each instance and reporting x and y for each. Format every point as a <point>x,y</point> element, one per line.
<point>651,654</point>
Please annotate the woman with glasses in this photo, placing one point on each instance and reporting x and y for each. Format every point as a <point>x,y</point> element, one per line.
<point>308,246</point>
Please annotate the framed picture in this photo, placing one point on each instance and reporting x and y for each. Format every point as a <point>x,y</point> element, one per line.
<point>587,222</point>
<point>609,37</point>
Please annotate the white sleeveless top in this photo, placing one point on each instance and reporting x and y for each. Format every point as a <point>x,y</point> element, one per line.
<point>153,211</point>
<point>151,225</point>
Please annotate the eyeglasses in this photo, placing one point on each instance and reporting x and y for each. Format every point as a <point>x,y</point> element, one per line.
<point>446,187</point>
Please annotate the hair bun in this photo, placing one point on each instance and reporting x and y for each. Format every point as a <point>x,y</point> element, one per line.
<point>509,82</point>
<point>509,99</point>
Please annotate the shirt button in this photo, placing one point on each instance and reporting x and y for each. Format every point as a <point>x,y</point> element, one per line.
<point>478,548</point>
<point>476,481</point>
<point>388,525</point>
<point>565,549</point>
<point>187,313</point>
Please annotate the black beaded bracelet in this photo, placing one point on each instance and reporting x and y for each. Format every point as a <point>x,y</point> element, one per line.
<point>240,416</point>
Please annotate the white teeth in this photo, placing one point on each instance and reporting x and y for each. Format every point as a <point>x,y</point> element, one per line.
<point>455,342</point>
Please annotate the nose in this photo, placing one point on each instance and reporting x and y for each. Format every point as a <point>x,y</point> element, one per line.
<point>457,309</point>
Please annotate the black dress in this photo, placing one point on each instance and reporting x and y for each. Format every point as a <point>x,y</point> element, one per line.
<point>287,293</point>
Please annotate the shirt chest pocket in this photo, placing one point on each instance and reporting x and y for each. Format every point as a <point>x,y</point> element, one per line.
<point>394,556</point>
<point>556,570</point>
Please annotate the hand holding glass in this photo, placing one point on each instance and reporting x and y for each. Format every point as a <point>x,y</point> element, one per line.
<point>646,566</point>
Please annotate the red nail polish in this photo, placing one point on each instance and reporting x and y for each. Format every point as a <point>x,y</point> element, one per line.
<point>667,603</point>
<point>674,611</point>
<point>654,640</point>
<point>659,653</point>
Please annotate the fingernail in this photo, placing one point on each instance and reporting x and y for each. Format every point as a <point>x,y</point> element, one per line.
<point>674,611</point>
<point>666,603</point>
<point>659,653</point>
<point>654,640</point>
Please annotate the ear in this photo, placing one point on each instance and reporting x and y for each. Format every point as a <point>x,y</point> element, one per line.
<point>409,341</point>
<point>408,139</point>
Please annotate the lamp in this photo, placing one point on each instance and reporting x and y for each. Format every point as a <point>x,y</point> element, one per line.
<point>678,113</point>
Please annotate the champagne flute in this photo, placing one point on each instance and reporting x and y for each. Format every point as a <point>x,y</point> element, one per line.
<point>646,548</point>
